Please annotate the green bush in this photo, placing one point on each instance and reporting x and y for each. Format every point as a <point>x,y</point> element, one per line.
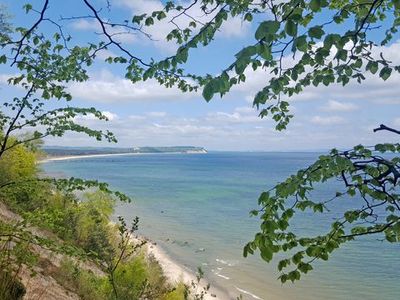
<point>10,287</point>
<point>139,278</point>
<point>84,283</point>
<point>178,293</point>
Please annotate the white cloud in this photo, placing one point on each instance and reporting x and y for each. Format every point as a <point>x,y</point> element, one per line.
<point>325,121</point>
<point>234,27</point>
<point>136,118</point>
<point>205,130</point>
<point>107,88</point>
<point>157,114</point>
<point>90,117</point>
<point>339,106</point>
<point>249,98</point>
<point>110,116</point>
<point>5,77</point>
<point>142,6</point>
<point>84,24</point>
<point>233,129</point>
<point>239,115</point>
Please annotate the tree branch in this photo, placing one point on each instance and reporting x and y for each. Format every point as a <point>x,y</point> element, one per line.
<point>30,30</point>
<point>384,127</point>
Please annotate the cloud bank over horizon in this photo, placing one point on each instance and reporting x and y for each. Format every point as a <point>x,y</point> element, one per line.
<point>147,114</point>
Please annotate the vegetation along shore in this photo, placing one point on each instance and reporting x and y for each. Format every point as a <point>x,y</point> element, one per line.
<point>74,250</point>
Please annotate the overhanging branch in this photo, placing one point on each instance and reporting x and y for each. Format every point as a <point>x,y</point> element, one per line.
<point>384,127</point>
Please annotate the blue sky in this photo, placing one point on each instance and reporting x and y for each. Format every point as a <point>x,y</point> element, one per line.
<point>147,114</point>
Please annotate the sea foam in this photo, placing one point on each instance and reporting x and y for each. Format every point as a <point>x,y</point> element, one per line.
<point>248,293</point>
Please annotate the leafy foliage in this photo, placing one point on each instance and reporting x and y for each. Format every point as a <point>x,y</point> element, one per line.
<point>44,67</point>
<point>305,43</point>
<point>370,181</point>
<point>298,43</point>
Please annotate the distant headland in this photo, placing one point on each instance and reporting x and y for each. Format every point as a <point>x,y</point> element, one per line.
<point>60,151</point>
<point>173,149</point>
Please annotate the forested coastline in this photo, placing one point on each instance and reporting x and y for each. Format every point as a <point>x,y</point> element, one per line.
<point>51,233</point>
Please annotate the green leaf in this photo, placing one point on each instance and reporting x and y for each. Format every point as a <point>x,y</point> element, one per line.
<point>161,15</point>
<point>301,43</point>
<point>208,91</point>
<point>294,275</point>
<point>266,254</point>
<point>341,55</point>
<point>372,66</point>
<point>248,17</point>
<point>305,267</point>
<point>149,21</point>
<point>27,7</point>
<point>291,28</point>
<point>283,278</point>
<point>385,73</point>
<point>265,52</point>
<point>3,59</point>
<point>316,32</point>
<point>247,52</point>
<point>138,19</point>
<point>358,63</point>
<point>315,5</point>
<point>266,28</point>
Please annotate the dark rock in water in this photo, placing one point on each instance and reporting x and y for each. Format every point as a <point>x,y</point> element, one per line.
<point>180,243</point>
<point>213,295</point>
<point>162,211</point>
<point>154,243</point>
<point>167,240</point>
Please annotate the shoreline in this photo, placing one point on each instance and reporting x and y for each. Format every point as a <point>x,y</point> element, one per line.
<point>70,157</point>
<point>173,271</point>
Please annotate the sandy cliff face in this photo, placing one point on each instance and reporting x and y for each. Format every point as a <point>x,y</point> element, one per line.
<point>42,286</point>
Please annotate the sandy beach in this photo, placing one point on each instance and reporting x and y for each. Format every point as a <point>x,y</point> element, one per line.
<point>175,273</point>
<point>69,157</point>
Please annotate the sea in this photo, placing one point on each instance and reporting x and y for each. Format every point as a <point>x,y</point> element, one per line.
<point>196,208</point>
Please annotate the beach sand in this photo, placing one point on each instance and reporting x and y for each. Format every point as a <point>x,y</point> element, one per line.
<point>177,273</point>
<point>69,157</point>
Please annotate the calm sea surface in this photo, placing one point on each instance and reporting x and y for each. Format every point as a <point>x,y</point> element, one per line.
<point>196,206</point>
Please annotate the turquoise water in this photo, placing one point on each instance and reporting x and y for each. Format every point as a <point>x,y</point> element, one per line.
<point>197,208</point>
